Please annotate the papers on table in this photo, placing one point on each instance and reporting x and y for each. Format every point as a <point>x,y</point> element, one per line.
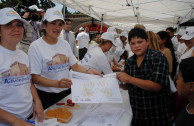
<point>89,88</point>
<point>100,115</point>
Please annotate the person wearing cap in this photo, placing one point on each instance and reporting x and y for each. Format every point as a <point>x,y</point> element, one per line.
<point>18,96</point>
<point>69,36</point>
<point>36,25</point>
<point>95,58</point>
<point>146,77</point>
<point>188,38</point>
<point>51,58</point>
<point>83,40</point>
<point>181,47</point>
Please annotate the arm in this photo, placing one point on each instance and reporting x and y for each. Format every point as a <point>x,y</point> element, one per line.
<point>38,109</point>
<point>63,83</point>
<point>12,120</point>
<point>144,84</point>
<point>81,69</point>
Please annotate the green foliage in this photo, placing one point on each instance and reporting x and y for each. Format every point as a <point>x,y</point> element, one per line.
<point>9,3</point>
<point>44,4</point>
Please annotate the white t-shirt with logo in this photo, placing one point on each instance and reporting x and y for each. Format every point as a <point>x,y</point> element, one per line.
<point>15,93</point>
<point>96,59</point>
<point>51,61</point>
<point>83,39</point>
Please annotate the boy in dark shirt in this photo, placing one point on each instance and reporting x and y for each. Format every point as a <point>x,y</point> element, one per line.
<point>147,77</point>
<point>185,87</point>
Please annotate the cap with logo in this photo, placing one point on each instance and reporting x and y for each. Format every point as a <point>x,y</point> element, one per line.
<point>189,33</point>
<point>8,14</point>
<point>53,14</point>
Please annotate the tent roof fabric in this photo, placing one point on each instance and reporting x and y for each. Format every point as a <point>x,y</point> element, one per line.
<point>155,15</point>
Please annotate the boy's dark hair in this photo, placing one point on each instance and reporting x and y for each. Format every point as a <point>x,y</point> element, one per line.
<point>187,69</point>
<point>67,19</point>
<point>170,29</point>
<point>137,32</point>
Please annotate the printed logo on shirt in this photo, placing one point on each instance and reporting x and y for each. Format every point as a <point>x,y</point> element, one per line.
<point>18,74</point>
<point>58,63</point>
<point>86,57</point>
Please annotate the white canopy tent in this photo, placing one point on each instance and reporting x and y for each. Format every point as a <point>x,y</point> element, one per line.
<point>155,15</point>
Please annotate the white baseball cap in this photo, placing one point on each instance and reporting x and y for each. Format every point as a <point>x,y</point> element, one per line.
<point>109,36</point>
<point>34,7</point>
<point>8,14</point>
<point>81,29</point>
<point>124,33</point>
<point>119,51</point>
<point>181,32</point>
<point>53,14</point>
<point>189,33</point>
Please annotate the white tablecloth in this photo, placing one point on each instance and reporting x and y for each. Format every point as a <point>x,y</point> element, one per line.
<point>125,119</point>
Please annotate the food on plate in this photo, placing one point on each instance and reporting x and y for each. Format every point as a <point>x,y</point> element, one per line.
<point>63,115</point>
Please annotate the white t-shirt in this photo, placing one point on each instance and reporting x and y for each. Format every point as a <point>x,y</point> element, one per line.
<point>15,93</point>
<point>96,59</point>
<point>181,48</point>
<point>186,55</point>
<point>51,61</point>
<point>175,43</point>
<point>83,39</point>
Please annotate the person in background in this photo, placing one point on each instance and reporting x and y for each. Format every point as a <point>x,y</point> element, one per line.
<point>69,36</point>
<point>181,47</point>
<point>174,39</point>
<point>185,87</point>
<point>166,47</point>
<point>153,42</point>
<point>147,78</point>
<point>18,95</point>
<point>95,58</point>
<point>188,38</point>
<point>83,40</point>
<point>51,58</point>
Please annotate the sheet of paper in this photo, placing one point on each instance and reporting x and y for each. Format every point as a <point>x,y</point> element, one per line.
<point>95,89</point>
<point>100,115</point>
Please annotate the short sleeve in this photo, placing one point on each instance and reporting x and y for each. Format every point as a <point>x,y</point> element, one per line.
<point>35,60</point>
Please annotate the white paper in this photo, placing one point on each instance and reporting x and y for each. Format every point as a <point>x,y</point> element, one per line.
<point>100,115</point>
<point>95,89</point>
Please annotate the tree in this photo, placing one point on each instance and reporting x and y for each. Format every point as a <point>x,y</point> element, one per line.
<point>9,3</point>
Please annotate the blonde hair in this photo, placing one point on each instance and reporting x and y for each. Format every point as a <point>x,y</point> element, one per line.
<point>153,41</point>
<point>140,26</point>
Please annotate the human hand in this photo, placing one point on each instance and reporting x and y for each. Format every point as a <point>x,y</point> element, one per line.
<point>95,72</point>
<point>64,83</point>
<point>38,110</point>
<point>26,15</point>
<point>19,122</point>
<point>123,77</point>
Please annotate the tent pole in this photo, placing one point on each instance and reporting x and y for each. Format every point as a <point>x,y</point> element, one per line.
<point>64,6</point>
<point>101,21</point>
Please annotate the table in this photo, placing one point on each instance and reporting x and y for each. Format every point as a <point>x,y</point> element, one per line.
<point>125,120</point>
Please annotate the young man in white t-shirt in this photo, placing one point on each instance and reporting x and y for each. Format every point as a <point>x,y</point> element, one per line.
<point>83,40</point>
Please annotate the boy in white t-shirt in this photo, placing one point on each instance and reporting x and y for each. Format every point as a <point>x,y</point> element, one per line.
<point>17,92</point>
<point>50,60</point>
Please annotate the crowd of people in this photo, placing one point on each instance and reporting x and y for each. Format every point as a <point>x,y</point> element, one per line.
<point>38,49</point>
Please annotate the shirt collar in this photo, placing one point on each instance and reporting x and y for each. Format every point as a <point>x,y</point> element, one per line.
<point>147,56</point>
